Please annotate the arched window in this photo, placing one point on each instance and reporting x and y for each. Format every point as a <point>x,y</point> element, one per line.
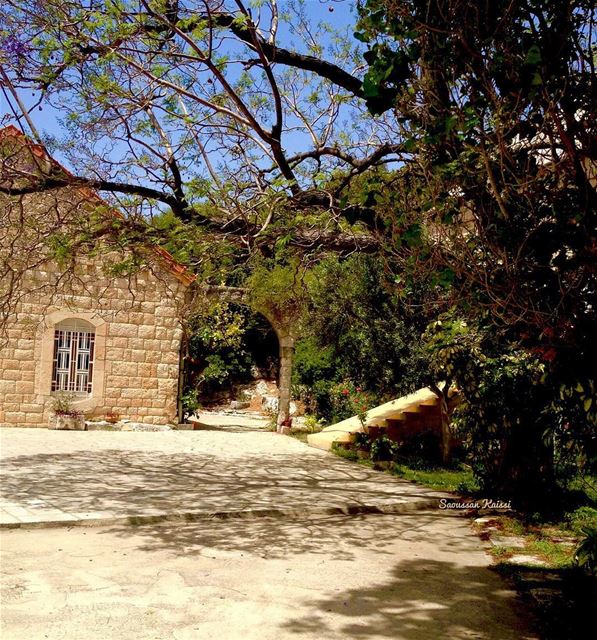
<point>72,370</point>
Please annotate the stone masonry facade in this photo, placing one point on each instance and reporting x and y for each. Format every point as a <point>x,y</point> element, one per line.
<point>137,348</point>
<point>55,274</point>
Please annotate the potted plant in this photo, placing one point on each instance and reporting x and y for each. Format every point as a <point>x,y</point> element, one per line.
<point>112,417</point>
<point>64,415</point>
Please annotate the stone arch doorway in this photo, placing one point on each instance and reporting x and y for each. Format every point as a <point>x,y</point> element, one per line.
<point>283,329</point>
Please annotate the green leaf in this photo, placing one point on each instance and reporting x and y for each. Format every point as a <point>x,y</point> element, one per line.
<point>370,88</point>
<point>533,56</point>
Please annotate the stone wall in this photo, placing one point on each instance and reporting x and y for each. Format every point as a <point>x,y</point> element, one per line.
<point>138,334</point>
<point>63,256</point>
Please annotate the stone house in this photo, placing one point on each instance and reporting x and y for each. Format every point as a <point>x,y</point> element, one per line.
<point>80,313</point>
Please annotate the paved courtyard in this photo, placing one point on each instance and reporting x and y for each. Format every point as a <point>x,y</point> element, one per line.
<point>304,569</point>
<point>98,476</point>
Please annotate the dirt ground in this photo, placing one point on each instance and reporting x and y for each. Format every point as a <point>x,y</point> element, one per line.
<point>404,577</point>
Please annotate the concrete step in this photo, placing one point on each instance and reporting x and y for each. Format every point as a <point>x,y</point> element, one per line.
<point>410,407</point>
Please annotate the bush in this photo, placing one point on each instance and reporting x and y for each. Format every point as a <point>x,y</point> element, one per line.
<point>581,519</point>
<point>356,333</point>
<point>190,403</point>
<point>421,450</point>
<point>504,415</point>
<point>362,441</point>
<point>585,555</point>
<point>383,449</point>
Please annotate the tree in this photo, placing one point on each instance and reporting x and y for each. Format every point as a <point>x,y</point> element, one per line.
<point>194,107</point>
<point>484,119</point>
<point>500,203</point>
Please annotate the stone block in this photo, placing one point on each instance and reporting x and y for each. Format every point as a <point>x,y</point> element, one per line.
<point>148,307</point>
<point>152,345</point>
<point>148,371</point>
<point>162,333</point>
<point>114,353</point>
<point>138,355</point>
<point>15,417</point>
<point>238,404</point>
<point>29,408</point>
<point>170,357</point>
<point>145,426</point>
<point>7,386</point>
<point>163,370</point>
<point>123,330</point>
<point>124,369</point>
<point>136,318</point>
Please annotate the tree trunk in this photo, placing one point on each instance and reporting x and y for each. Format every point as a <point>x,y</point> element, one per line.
<point>446,435</point>
<point>286,355</point>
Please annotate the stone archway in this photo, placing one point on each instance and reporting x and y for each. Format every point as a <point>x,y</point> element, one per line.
<point>286,335</point>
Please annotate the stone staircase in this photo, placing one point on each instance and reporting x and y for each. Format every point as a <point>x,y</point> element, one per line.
<point>398,419</point>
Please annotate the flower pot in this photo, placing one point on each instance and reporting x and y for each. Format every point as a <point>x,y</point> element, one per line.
<point>67,422</point>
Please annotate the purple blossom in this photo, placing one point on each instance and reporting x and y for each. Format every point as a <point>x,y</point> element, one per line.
<point>12,46</point>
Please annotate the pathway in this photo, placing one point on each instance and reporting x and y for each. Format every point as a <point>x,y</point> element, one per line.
<point>101,477</point>
<point>315,574</point>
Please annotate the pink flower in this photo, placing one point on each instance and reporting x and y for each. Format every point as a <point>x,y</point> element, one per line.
<point>345,392</point>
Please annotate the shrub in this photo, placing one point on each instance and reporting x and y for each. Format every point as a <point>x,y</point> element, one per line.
<point>62,405</point>
<point>585,555</point>
<point>362,441</point>
<point>581,519</point>
<point>420,450</point>
<point>190,403</point>
<point>383,449</point>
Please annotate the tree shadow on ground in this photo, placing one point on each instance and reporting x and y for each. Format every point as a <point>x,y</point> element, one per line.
<point>427,576</point>
<point>424,599</point>
<point>125,482</point>
<point>335,536</point>
<point>564,599</point>
<point>416,588</point>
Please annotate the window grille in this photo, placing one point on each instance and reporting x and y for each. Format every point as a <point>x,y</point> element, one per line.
<point>73,359</point>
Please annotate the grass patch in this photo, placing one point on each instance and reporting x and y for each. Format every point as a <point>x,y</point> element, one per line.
<point>554,542</point>
<point>457,479</point>
<point>501,553</point>
<point>344,452</point>
<point>301,436</point>
<point>557,555</point>
<point>460,480</point>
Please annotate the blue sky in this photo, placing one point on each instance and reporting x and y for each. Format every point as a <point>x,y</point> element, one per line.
<point>338,13</point>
